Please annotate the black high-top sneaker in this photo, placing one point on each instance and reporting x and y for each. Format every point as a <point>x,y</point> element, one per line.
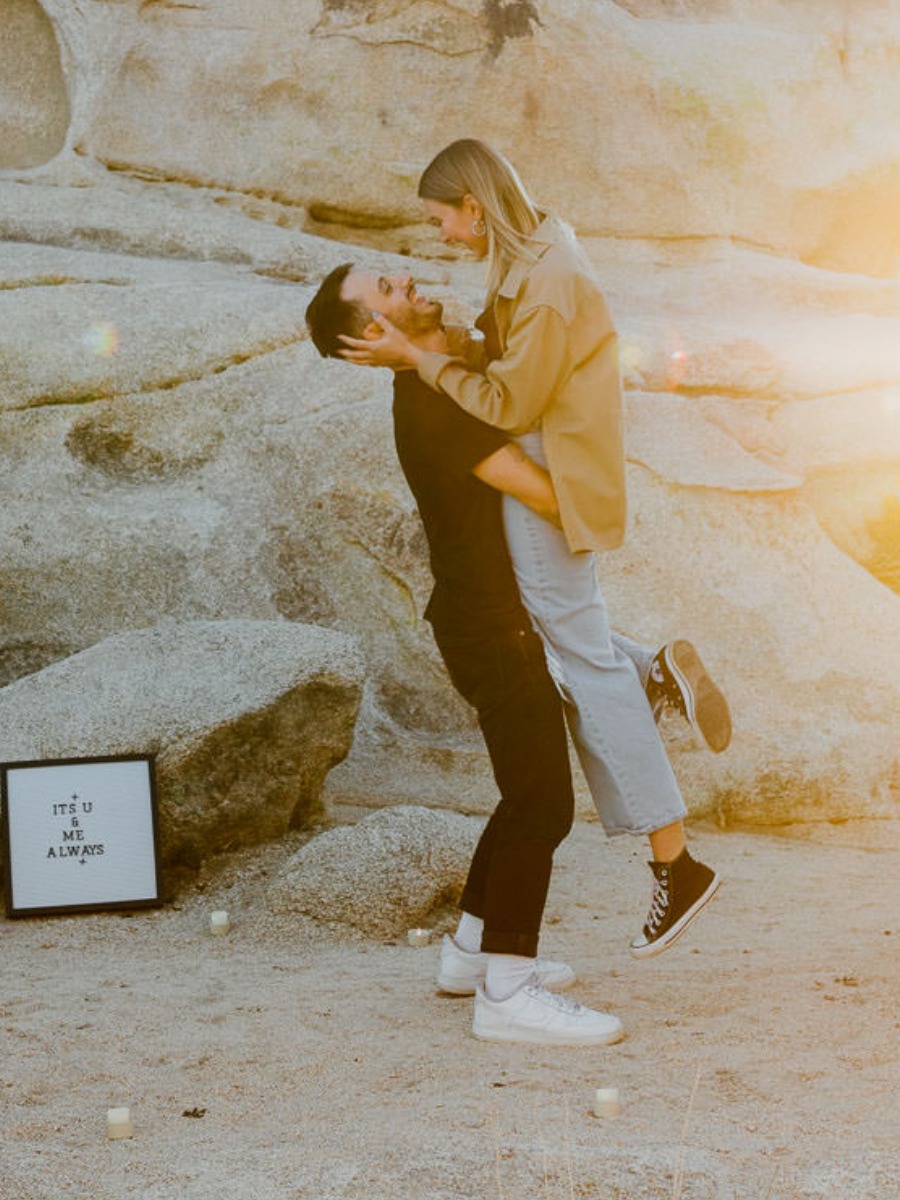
<point>680,891</point>
<point>679,679</point>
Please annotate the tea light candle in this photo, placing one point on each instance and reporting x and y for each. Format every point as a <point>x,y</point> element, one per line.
<point>118,1123</point>
<point>419,937</point>
<point>219,923</point>
<point>606,1102</point>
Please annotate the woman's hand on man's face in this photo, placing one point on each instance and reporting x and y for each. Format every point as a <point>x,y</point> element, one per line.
<point>391,349</point>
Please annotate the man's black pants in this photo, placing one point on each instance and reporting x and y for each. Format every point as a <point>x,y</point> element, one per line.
<point>504,676</point>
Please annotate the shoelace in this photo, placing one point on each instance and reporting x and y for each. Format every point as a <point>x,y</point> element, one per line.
<point>563,1003</point>
<point>670,692</point>
<point>659,905</point>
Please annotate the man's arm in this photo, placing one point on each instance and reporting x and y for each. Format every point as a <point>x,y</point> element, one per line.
<point>510,470</point>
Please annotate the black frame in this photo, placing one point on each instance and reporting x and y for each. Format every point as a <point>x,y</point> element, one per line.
<point>147,845</point>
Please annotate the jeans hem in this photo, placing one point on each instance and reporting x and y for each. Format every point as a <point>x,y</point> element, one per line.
<point>656,824</point>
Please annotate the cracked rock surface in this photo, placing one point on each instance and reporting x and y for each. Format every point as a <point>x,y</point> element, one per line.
<point>172,445</point>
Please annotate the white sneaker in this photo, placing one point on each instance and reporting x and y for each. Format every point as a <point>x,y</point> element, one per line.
<point>460,971</point>
<point>532,1014</point>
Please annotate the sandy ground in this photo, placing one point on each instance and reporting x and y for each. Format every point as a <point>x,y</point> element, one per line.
<point>291,1060</point>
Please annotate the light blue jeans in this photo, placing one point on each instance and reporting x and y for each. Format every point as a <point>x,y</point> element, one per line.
<point>600,675</point>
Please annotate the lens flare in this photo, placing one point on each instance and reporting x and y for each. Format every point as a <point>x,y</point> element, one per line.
<point>676,358</point>
<point>102,339</point>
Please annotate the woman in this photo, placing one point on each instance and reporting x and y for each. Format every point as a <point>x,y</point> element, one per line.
<point>552,378</point>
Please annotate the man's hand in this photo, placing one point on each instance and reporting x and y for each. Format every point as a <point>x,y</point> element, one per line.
<point>391,348</point>
<point>466,344</point>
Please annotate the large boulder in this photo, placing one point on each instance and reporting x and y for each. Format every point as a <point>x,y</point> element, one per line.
<point>382,876</point>
<point>248,480</point>
<point>648,119</point>
<point>34,102</point>
<point>244,718</point>
<point>166,457</point>
<point>172,446</point>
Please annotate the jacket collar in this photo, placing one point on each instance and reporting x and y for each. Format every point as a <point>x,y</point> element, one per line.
<point>547,233</point>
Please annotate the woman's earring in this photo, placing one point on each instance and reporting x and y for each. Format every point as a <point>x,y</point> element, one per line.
<point>479,229</point>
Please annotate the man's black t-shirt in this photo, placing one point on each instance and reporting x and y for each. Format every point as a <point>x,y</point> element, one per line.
<point>438,444</point>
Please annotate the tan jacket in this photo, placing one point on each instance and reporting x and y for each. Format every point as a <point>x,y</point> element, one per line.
<point>559,370</point>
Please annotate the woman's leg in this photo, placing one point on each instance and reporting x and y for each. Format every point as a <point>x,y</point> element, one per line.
<point>640,655</point>
<point>612,725</point>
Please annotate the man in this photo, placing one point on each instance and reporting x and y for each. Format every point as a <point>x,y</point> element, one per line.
<point>456,467</point>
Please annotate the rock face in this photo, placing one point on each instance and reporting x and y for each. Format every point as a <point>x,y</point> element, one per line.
<point>656,119</point>
<point>382,876</point>
<point>34,102</point>
<point>171,445</point>
<point>245,719</point>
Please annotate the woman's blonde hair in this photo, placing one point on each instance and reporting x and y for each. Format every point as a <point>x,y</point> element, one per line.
<point>471,167</point>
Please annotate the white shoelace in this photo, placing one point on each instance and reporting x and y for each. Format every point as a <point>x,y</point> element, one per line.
<point>563,1003</point>
<point>670,696</point>
<point>659,905</point>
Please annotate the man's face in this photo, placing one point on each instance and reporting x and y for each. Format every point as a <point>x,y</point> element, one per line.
<point>395,297</point>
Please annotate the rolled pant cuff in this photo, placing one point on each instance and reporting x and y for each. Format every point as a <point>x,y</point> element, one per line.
<point>525,945</point>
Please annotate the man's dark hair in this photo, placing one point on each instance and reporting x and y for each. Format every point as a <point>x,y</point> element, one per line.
<point>329,315</point>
